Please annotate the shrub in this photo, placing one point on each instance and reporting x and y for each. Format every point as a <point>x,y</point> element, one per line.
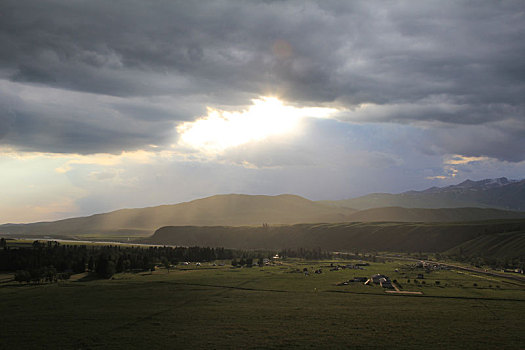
<point>63,276</point>
<point>22,276</point>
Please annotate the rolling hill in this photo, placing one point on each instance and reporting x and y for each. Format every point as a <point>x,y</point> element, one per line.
<point>500,245</point>
<point>241,210</point>
<point>232,210</point>
<point>498,193</point>
<point>399,214</point>
<point>386,236</point>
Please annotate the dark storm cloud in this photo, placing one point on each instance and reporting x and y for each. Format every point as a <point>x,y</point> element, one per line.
<point>414,62</point>
<point>504,141</point>
<point>32,120</point>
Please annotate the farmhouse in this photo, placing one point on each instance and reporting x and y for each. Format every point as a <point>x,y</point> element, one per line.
<point>382,280</point>
<point>385,283</point>
<point>377,277</point>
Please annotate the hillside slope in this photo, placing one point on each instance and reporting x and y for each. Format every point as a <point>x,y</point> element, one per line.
<point>231,210</point>
<point>242,210</point>
<point>408,237</point>
<point>399,214</point>
<point>500,245</point>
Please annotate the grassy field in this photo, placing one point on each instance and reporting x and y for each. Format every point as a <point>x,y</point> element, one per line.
<point>260,308</point>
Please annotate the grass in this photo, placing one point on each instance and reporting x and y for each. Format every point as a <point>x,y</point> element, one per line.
<point>261,308</point>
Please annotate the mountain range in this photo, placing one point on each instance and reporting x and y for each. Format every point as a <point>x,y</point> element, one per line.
<point>231,210</point>
<point>467,201</point>
<point>500,193</point>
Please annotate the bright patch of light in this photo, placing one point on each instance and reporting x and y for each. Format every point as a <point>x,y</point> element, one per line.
<point>267,116</point>
<point>458,159</point>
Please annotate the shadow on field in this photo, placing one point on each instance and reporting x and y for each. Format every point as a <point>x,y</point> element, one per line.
<point>229,287</point>
<point>89,277</point>
<point>427,296</point>
<point>18,285</point>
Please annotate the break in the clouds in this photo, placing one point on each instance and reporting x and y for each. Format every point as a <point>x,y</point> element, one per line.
<point>450,63</point>
<point>169,80</point>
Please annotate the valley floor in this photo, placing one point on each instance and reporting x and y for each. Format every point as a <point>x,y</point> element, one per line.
<point>207,306</point>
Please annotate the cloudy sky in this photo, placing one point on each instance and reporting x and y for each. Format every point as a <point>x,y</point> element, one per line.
<point>112,104</point>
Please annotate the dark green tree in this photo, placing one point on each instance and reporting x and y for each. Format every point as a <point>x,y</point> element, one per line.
<point>22,276</point>
<point>120,264</point>
<point>91,263</point>
<point>166,264</point>
<point>110,269</point>
<point>37,274</point>
<point>50,274</point>
<point>105,267</point>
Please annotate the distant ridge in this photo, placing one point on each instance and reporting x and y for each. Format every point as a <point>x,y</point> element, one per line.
<point>231,209</point>
<point>467,201</point>
<point>500,193</point>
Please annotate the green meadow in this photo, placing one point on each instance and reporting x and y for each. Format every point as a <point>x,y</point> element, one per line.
<point>265,308</point>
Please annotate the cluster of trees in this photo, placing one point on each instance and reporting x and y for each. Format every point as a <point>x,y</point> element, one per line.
<point>41,255</point>
<point>305,253</point>
<point>51,261</point>
<point>248,262</point>
<point>44,274</point>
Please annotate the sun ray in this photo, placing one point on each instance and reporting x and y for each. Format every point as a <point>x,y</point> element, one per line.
<point>267,116</point>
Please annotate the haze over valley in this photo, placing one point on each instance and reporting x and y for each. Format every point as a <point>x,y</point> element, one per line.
<point>273,222</point>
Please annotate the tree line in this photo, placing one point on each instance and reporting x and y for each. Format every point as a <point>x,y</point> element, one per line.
<point>50,261</point>
<point>305,253</point>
